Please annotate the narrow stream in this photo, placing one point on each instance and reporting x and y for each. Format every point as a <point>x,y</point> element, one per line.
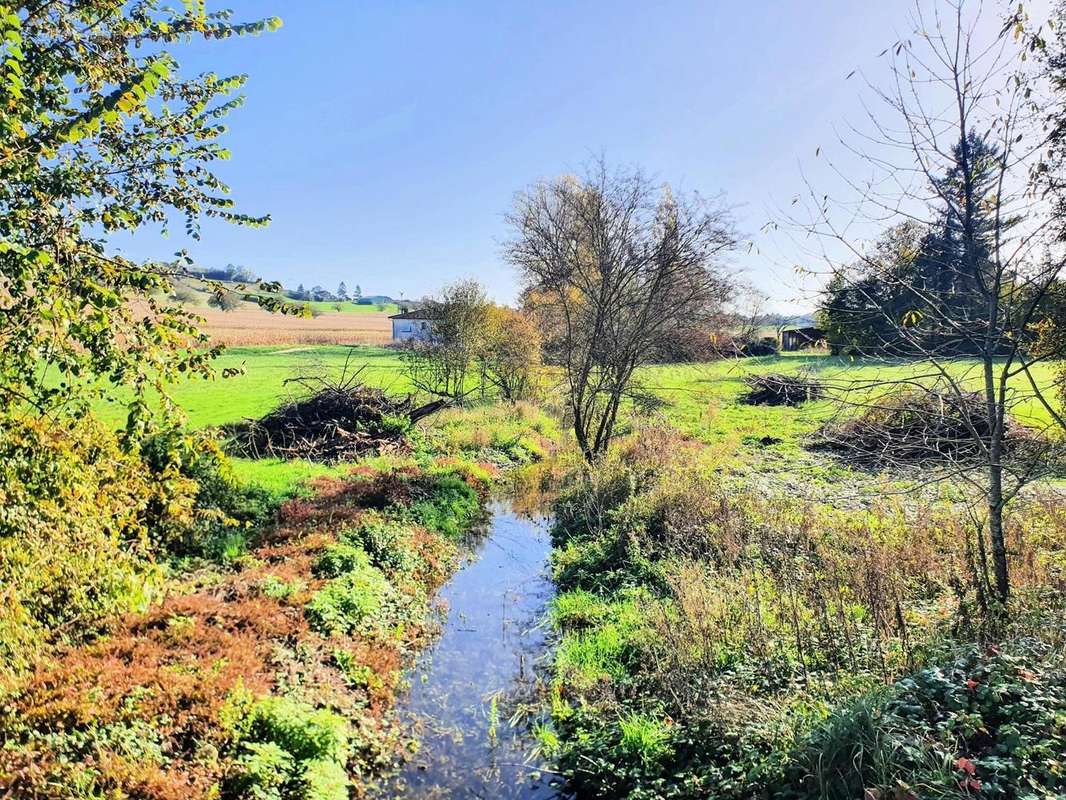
<point>491,646</point>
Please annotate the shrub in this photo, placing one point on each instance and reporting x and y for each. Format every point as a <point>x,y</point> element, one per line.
<point>74,538</point>
<point>985,724</point>
<point>444,502</point>
<point>225,300</point>
<point>358,599</point>
<point>222,511</point>
<point>263,770</point>
<point>341,558</point>
<point>387,542</point>
<point>291,750</point>
<point>186,295</point>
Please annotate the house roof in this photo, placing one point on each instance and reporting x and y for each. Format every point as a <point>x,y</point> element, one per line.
<point>804,331</point>
<point>418,313</point>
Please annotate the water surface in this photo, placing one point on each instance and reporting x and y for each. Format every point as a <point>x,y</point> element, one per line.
<point>491,646</point>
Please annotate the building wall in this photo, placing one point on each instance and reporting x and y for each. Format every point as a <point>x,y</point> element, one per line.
<point>407,330</point>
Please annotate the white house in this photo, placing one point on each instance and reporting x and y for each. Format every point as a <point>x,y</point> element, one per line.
<point>414,325</point>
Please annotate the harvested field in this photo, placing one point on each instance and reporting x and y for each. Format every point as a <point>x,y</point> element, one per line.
<point>253,326</point>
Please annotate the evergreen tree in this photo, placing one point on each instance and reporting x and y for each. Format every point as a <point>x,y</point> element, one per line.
<point>342,291</point>
<point>921,289</point>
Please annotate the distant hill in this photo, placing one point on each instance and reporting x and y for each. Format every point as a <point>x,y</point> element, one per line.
<point>233,274</point>
<point>195,291</point>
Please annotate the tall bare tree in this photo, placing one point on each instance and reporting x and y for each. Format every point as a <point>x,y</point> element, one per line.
<point>446,364</point>
<point>955,151</point>
<point>613,265</point>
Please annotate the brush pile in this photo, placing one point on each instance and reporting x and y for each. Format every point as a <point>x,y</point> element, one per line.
<point>915,426</point>
<point>780,390</point>
<point>330,422</point>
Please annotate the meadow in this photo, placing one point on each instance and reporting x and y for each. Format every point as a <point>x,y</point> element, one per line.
<point>737,615</point>
<point>700,400</point>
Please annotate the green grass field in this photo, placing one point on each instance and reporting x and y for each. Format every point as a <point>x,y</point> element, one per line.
<point>703,400</point>
<point>267,376</point>
<point>704,397</point>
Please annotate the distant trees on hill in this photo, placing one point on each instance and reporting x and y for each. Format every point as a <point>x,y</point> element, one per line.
<point>231,272</point>
<point>319,294</point>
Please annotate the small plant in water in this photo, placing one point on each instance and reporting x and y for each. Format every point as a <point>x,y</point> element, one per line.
<point>494,719</point>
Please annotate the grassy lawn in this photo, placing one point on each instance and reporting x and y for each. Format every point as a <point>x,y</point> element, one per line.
<point>266,372</point>
<point>702,397</point>
<point>703,401</point>
<point>263,385</point>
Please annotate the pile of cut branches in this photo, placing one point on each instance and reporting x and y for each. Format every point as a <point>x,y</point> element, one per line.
<point>914,426</point>
<point>330,421</point>
<point>776,389</point>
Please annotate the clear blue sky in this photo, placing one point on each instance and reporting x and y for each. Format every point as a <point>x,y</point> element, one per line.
<point>387,138</point>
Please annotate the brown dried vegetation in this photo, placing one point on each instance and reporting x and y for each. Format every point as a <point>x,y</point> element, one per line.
<point>159,681</point>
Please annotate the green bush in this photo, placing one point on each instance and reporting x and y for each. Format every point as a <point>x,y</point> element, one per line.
<point>290,751</point>
<point>75,541</point>
<point>338,559</point>
<point>386,541</point>
<point>264,770</point>
<point>358,600</point>
<point>224,512</point>
<point>445,503</point>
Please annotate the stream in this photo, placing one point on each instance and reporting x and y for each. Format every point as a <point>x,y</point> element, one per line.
<point>491,645</point>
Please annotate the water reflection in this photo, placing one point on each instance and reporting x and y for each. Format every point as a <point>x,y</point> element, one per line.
<point>465,688</point>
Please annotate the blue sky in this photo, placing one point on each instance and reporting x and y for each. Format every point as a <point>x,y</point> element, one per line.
<point>387,138</point>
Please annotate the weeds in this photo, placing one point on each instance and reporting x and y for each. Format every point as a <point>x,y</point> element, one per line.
<point>741,641</point>
<point>225,690</point>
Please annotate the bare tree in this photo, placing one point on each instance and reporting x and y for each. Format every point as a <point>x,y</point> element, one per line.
<point>613,265</point>
<point>446,364</point>
<point>972,255</point>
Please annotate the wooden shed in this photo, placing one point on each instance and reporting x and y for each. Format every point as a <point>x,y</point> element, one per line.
<point>802,338</point>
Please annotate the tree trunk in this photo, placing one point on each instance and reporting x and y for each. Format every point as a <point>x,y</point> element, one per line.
<point>995,522</point>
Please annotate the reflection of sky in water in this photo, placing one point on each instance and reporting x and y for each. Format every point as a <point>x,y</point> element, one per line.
<point>489,645</point>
